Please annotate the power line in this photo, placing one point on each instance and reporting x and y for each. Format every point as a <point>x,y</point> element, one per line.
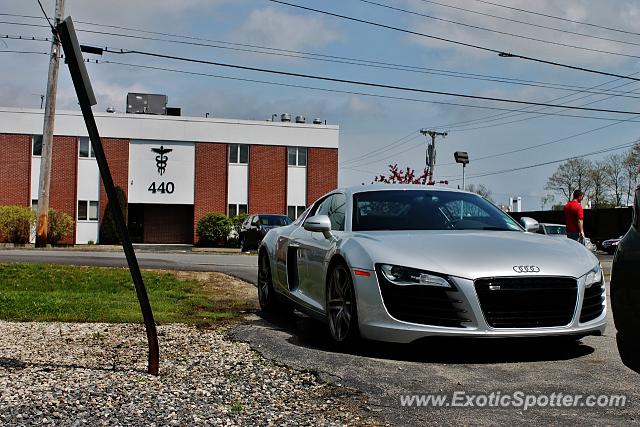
<point>457,42</point>
<point>521,168</point>
<point>558,18</point>
<point>348,92</point>
<point>477,27</point>
<point>360,83</point>
<point>320,57</point>
<point>555,141</point>
<point>524,110</point>
<point>387,147</point>
<point>531,24</point>
<point>352,161</point>
<point>46,17</point>
<point>502,116</point>
<point>23,52</point>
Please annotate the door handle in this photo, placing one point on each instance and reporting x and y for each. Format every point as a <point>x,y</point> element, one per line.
<point>294,245</point>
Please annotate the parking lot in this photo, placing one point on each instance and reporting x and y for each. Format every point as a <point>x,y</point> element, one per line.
<point>386,372</point>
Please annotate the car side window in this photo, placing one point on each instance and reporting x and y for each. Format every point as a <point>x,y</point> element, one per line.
<point>337,212</point>
<point>256,220</point>
<point>324,207</point>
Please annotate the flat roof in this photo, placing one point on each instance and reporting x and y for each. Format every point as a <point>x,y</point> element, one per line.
<point>173,128</point>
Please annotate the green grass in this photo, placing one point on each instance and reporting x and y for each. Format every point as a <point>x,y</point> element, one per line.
<point>33,292</point>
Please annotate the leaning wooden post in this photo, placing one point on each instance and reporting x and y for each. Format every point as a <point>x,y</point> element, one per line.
<point>86,98</point>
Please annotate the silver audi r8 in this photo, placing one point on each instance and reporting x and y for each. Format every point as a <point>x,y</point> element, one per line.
<point>402,262</point>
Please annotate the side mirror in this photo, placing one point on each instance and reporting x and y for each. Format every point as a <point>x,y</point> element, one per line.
<point>529,224</point>
<point>319,224</point>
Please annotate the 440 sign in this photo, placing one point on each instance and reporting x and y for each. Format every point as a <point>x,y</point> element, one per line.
<point>161,172</point>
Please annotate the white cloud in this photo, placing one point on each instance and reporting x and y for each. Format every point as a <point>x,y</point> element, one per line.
<point>274,28</point>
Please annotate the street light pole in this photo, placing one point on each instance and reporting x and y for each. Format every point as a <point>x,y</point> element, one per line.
<point>463,158</point>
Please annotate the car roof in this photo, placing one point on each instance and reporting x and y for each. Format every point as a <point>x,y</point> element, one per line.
<point>408,187</point>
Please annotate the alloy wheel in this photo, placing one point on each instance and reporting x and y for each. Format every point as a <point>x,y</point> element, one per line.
<point>340,303</point>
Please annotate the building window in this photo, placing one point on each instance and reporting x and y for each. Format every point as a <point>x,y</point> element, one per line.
<point>88,210</point>
<point>294,212</point>
<point>37,145</point>
<point>237,209</point>
<point>297,156</point>
<point>86,149</point>
<point>238,153</point>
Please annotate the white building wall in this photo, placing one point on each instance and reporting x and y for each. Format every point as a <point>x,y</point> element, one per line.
<point>166,178</point>
<point>174,128</point>
<point>296,186</point>
<point>238,184</point>
<point>35,176</point>
<point>88,189</point>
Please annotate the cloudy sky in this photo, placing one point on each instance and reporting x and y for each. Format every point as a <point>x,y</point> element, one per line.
<point>372,128</point>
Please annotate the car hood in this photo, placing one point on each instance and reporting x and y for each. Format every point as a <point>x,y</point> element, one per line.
<point>473,254</point>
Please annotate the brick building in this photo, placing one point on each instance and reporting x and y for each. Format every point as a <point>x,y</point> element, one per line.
<point>172,169</point>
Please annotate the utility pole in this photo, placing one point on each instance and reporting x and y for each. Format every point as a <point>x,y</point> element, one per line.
<point>47,133</point>
<point>431,149</point>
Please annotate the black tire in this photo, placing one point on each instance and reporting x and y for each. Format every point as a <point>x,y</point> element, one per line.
<point>342,310</point>
<point>629,350</point>
<point>266,295</point>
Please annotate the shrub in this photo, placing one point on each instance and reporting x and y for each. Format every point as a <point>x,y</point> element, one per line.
<point>236,222</point>
<point>16,223</point>
<point>108,229</point>
<point>213,229</point>
<point>60,224</point>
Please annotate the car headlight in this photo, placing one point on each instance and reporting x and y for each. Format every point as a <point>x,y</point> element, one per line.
<point>593,277</point>
<point>410,276</point>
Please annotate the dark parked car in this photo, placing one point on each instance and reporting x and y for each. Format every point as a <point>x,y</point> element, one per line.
<point>625,291</point>
<point>255,227</point>
<point>609,246</point>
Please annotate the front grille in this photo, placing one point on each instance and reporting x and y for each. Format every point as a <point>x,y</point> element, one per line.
<point>593,304</point>
<point>426,305</point>
<point>536,302</point>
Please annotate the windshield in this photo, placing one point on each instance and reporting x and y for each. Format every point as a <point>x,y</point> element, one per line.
<point>427,210</point>
<point>275,220</point>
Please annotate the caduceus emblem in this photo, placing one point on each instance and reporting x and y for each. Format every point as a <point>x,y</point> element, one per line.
<point>161,158</point>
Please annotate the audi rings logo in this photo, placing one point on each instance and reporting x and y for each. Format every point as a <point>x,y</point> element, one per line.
<point>526,269</point>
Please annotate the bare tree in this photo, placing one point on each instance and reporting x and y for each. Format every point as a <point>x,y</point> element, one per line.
<point>615,176</point>
<point>598,176</point>
<point>571,175</point>
<point>631,164</point>
<point>481,190</point>
<point>547,200</point>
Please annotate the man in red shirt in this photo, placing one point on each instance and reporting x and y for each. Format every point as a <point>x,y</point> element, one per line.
<point>574,217</point>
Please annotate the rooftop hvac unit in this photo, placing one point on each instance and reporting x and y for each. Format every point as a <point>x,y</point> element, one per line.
<point>301,119</point>
<point>146,103</point>
<point>285,118</point>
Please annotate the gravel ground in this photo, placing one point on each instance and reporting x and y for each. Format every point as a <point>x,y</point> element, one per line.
<point>94,374</point>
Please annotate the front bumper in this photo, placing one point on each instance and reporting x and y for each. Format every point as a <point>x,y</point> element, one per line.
<point>377,324</point>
